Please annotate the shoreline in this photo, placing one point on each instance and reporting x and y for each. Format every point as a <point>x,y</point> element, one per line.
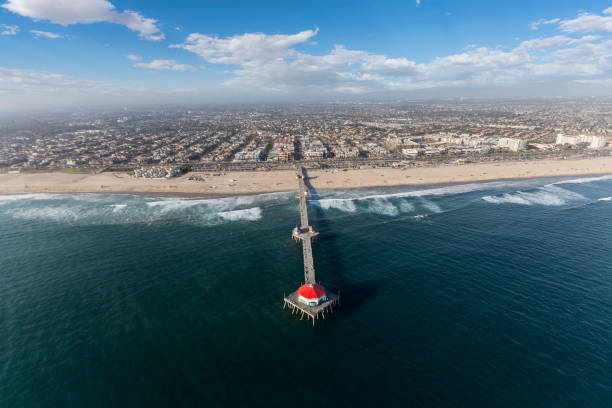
<point>259,182</point>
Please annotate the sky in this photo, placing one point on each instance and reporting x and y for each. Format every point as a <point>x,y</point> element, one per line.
<point>87,52</point>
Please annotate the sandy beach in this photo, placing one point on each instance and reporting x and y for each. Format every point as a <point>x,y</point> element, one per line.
<point>236,183</point>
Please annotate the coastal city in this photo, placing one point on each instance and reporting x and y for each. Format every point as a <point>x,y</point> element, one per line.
<point>166,143</point>
<point>239,203</point>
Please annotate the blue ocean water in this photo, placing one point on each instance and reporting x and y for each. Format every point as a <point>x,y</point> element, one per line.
<point>490,294</point>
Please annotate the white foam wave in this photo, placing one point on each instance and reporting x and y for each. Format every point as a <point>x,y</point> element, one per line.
<point>382,206</point>
<point>127,209</point>
<point>406,207</point>
<point>175,204</point>
<point>118,207</point>
<point>431,206</point>
<point>447,190</point>
<point>583,180</point>
<point>469,187</point>
<point>549,195</point>
<point>117,214</point>
<point>248,214</point>
<point>41,196</point>
<point>507,198</point>
<point>82,197</point>
<point>249,200</point>
<point>339,204</point>
<point>219,204</point>
<point>347,204</point>
<point>46,213</point>
<point>379,203</point>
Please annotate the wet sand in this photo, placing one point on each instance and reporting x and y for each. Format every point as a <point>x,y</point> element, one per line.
<point>238,183</point>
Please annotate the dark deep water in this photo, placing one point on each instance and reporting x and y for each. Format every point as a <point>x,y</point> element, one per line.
<point>489,295</point>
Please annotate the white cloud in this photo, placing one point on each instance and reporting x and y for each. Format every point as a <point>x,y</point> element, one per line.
<point>588,22</point>
<point>246,47</point>
<point>8,29</point>
<point>24,80</point>
<point>301,71</point>
<point>554,42</point>
<point>133,57</point>
<point>598,55</point>
<point>380,64</point>
<point>165,65</point>
<point>46,34</point>
<point>418,3</point>
<point>536,24</point>
<point>66,12</point>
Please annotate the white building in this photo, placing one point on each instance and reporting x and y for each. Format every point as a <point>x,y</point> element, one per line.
<point>563,139</point>
<point>593,142</point>
<point>433,151</point>
<point>248,156</point>
<point>513,144</point>
<point>410,152</point>
<point>596,142</point>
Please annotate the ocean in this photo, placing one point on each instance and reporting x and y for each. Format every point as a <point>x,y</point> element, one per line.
<point>494,294</point>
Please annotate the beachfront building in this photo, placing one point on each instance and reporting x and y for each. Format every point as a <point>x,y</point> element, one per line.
<point>345,152</point>
<point>512,144</point>
<point>312,294</point>
<point>411,152</point>
<point>248,156</point>
<point>593,142</point>
<point>157,172</point>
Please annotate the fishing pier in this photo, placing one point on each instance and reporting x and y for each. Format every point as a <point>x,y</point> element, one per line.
<point>311,300</point>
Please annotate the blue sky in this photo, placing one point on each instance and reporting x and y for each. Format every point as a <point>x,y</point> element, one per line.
<point>68,51</point>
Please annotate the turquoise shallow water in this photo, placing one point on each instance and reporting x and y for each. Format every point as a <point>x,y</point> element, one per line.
<point>491,294</point>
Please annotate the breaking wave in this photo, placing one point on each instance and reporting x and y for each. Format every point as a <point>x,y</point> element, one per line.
<point>522,192</point>
<point>431,206</point>
<point>248,214</point>
<point>118,207</point>
<point>175,205</point>
<point>125,208</point>
<point>339,204</point>
<point>5,199</point>
<point>549,195</point>
<point>406,207</point>
<point>128,209</point>
<point>393,203</point>
<point>382,206</point>
<point>583,180</point>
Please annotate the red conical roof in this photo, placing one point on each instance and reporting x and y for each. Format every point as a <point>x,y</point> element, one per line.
<point>311,291</point>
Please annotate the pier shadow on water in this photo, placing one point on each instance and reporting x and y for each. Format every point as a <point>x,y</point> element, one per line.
<point>352,295</point>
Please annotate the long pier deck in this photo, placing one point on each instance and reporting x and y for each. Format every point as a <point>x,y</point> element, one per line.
<point>305,233</point>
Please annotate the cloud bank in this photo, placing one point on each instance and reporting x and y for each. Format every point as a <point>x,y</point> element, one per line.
<point>272,63</point>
